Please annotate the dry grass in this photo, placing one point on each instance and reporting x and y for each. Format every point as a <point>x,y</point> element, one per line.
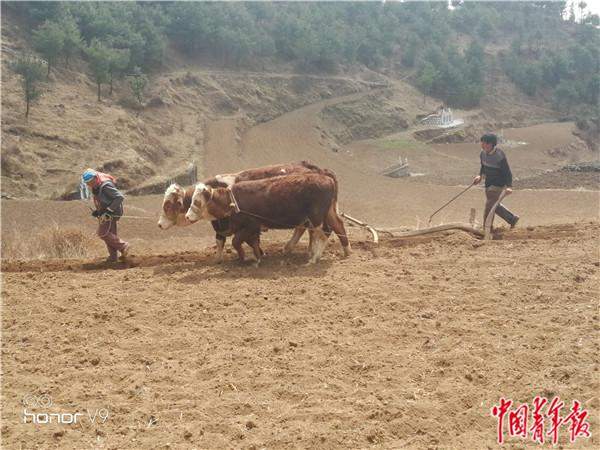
<point>52,242</point>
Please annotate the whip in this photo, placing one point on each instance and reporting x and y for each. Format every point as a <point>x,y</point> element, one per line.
<point>450,201</point>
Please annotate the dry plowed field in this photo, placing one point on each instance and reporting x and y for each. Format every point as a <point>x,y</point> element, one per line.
<point>407,343</point>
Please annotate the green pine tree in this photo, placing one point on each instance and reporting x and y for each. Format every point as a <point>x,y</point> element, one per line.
<point>32,71</point>
<point>49,41</point>
<point>99,57</point>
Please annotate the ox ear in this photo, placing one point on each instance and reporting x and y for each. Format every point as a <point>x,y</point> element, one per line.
<point>207,193</point>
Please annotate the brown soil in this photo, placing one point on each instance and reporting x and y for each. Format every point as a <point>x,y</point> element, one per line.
<point>185,353</point>
<point>558,179</point>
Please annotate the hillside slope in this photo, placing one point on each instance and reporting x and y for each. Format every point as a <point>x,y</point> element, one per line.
<point>181,123</point>
<point>68,130</point>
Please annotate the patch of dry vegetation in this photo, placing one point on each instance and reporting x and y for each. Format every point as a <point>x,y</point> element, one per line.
<point>51,242</point>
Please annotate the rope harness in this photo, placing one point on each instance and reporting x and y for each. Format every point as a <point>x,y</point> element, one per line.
<point>130,217</point>
<point>109,218</point>
<point>232,197</point>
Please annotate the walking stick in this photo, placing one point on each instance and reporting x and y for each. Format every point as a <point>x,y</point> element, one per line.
<point>451,200</point>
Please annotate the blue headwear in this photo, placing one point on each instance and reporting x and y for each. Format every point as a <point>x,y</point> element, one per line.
<point>88,175</point>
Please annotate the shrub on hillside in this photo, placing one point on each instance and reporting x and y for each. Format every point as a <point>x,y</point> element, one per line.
<point>32,71</point>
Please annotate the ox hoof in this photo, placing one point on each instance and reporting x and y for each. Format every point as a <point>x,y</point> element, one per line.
<point>347,252</point>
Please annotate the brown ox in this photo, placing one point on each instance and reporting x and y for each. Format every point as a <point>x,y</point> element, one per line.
<point>300,200</point>
<point>177,199</point>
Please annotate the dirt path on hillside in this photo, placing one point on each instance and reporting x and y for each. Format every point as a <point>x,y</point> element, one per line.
<point>289,137</point>
<point>221,143</point>
<point>285,75</point>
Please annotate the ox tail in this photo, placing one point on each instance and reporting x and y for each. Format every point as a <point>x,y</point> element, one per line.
<point>333,221</point>
<point>331,175</point>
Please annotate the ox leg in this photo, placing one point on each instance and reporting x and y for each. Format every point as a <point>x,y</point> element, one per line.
<point>318,245</point>
<point>311,241</point>
<point>335,222</point>
<point>220,245</point>
<point>326,229</point>
<point>254,242</point>
<point>298,232</point>
<point>237,244</point>
<point>262,252</point>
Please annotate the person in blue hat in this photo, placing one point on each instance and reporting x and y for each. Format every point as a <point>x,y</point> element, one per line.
<point>109,209</point>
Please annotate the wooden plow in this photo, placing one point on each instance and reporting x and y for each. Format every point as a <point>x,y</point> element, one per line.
<point>398,232</point>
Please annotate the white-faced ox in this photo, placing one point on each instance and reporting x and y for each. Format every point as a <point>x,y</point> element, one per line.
<point>305,200</point>
<point>177,199</point>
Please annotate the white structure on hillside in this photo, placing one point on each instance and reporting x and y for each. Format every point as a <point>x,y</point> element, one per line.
<point>443,119</point>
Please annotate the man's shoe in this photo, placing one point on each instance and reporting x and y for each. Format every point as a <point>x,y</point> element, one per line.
<point>111,259</point>
<point>125,251</point>
<point>514,224</point>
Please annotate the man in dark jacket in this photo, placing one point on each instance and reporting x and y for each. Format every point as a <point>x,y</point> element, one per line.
<point>109,209</point>
<point>498,177</point>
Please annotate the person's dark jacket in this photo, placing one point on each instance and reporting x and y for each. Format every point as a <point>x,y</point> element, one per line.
<point>495,169</point>
<point>108,199</point>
